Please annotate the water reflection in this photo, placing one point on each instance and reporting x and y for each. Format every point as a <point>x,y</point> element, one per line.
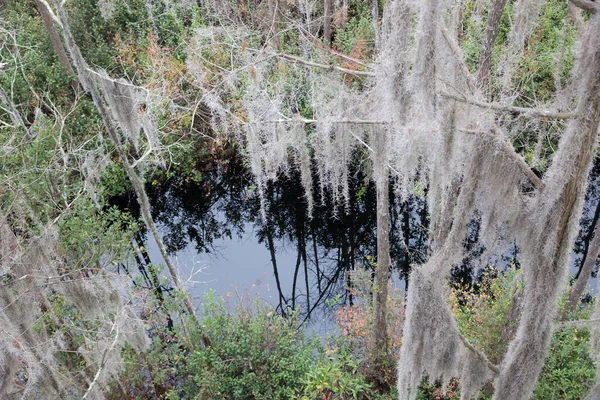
<point>299,262</point>
<point>293,261</point>
<point>589,220</point>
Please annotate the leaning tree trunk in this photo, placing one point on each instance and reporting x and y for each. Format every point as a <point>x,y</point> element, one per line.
<point>491,32</point>
<point>561,199</point>
<point>136,181</point>
<point>585,273</point>
<point>56,42</point>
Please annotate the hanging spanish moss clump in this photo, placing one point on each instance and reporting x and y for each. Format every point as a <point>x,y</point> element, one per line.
<point>277,137</point>
<point>130,107</point>
<point>524,20</point>
<point>32,344</point>
<point>548,237</point>
<point>432,147</point>
<point>338,133</point>
<point>434,345</point>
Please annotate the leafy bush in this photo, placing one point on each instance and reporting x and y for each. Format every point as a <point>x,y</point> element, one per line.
<point>569,371</point>
<point>355,321</point>
<point>356,324</point>
<point>435,391</point>
<point>249,353</point>
<point>337,374</point>
<point>483,315</point>
<point>253,354</point>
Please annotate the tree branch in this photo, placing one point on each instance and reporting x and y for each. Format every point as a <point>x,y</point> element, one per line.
<point>511,152</point>
<point>110,348</point>
<point>299,60</point>
<point>522,110</point>
<point>469,346</point>
<point>577,323</point>
<point>317,121</point>
<point>587,5</point>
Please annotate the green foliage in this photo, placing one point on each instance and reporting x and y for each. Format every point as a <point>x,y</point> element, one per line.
<point>246,353</point>
<point>89,236</point>
<point>28,54</point>
<point>64,319</point>
<point>539,63</point>
<point>569,371</point>
<point>356,323</point>
<point>253,354</point>
<point>337,374</point>
<point>435,390</point>
<point>472,35</point>
<point>535,73</point>
<point>553,40</point>
<point>115,181</point>
<point>483,317</point>
<point>356,38</point>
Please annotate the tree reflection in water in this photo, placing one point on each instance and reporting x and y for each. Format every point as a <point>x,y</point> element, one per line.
<point>223,208</point>
<point>310,258</point>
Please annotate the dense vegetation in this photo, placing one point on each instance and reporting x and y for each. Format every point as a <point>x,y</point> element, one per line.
<point>83,318</point>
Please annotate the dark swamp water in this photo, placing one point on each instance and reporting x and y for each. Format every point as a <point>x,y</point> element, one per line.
<point>216,234</point>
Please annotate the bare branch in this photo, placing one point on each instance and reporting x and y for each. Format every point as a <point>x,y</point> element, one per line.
<point>316,121</point>
<point>299,60</point>
<point>469,346</point>
<point>116,328</point>
<point>522,110</point>
<point>525,168</point>
<point>142,158</point>
<point>460,59</point>
<point>9,107</point>
<point>576,323</point>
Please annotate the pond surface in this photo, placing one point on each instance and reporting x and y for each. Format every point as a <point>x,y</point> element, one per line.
<point>216,234</point>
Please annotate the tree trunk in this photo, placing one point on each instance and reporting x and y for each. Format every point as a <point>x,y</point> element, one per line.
<point>136,180</point>
<point>491,32</point>
<point>273,13</point>
<point>56,42</point>
<point>375,17</point>
<point>380,359</point>
<point>526,354</point>
<point>586,271</point>
<point>327,21</point>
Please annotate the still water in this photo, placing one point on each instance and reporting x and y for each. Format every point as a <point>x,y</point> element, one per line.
<point>217,236</point>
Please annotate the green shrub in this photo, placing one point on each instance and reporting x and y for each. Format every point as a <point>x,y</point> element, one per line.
<point>337,374</point>
<point>483,316</point>
<point>569,371</point>
<point>253,354</point>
